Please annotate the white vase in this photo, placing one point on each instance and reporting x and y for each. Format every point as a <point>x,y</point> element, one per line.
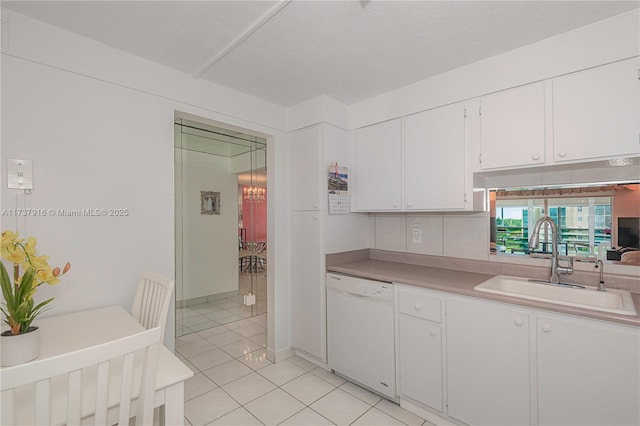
<point>20,348</point>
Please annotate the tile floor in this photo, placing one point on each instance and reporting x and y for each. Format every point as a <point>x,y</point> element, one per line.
<point>227,310</point>
<point>234,384</point>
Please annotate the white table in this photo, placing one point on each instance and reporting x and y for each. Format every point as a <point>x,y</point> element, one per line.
<point>70,332</point>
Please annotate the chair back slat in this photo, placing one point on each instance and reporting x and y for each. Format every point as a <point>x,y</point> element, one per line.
<point>8,412</point>
<point>42,402</point>
<point>125,388</point>
<point>102,393</point>
<point>74,398</point>
<point>152,299</point>
<point>146,397</point>
<point>88,367</point>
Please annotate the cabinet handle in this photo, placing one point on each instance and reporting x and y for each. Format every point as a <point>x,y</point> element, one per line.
<point>408,204</point>
<point>315,217</point>
<point>518,322</point>
<point>418,307</point>
<point>433,332</point>
<point>546,328</point>
<point>315,206</point>
<point>535,157</point>
<point>562,154</point>
<point>395,206</point>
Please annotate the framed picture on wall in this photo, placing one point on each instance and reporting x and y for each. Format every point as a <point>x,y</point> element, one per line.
<point>209,202</point>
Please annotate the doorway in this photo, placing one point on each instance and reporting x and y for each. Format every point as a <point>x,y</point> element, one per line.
<point>220,213</point>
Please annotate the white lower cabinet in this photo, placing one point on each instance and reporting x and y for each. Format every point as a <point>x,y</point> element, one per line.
<point>588,372</point>
<point>478,362</point>
<point>420,347</point>
<point>488,363</point>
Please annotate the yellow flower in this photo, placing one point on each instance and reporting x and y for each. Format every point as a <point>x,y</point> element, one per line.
<point>19,308</point>
<point>45,274</point>
<point>11,248</point>
<point>30,246</point>
<point>9,238</point>
<point>38,262</point>
<point>15,254</point>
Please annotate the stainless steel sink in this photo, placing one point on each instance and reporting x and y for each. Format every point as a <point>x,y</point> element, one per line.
<point>613,300</point>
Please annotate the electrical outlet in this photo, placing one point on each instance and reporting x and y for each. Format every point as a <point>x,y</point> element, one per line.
<point>416,234</point>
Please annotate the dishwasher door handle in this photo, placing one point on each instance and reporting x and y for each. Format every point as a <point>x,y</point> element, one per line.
<point>348,293</point>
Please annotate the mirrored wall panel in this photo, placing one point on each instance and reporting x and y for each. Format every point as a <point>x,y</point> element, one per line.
<point>221,222</point>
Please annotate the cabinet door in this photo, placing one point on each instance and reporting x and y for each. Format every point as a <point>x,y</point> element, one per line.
<point>487,363</point>
<point>420,360</point>
<point>305,168</point>
<point>595,112</point>
<point>588,373</point>
<point>434,159</point>
<point>378,152</point>
<point>307,285</point>
<point>512,127</point>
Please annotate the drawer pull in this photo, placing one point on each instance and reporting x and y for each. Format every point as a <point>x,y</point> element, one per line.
<point>518,322</point>
<point>433,332</point>
<point>546,328</point>
<point>535,157</point>
<point>418,307</point>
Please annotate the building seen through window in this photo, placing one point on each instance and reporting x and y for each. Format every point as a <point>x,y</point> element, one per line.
<point>587,218</point>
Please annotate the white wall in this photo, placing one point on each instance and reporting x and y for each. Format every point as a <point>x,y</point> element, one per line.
<point>98,125</point>
<point>209,242</point>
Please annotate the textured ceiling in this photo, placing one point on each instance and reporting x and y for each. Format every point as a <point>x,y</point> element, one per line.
<point>288,52</point>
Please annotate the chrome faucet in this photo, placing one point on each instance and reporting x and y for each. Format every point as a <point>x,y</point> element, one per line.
<point>556,269</point>
<point>601,283</point>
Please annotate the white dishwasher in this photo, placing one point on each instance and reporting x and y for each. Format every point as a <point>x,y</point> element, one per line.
<point>360,332</point>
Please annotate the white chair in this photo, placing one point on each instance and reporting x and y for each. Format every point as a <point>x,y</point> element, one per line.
<point>152,299</point>
<point>95,384</point>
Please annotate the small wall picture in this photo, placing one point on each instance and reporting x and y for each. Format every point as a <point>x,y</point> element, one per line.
<point>209,202</point>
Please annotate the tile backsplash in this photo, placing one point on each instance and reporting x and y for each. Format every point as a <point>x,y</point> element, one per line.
<point>462,235</point>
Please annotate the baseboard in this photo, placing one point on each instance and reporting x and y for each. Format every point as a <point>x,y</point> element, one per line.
<point>429,416</point>
<point>312,359</point>
<point>280,355</point>
<point>204,299</point>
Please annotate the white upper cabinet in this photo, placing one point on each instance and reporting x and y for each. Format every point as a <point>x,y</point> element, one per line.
<point>378,162</point>
<point>305,168</point>
<point>596,113</point>
<point>512,127</point>
<point>414,164</point>
<point>434,159</point>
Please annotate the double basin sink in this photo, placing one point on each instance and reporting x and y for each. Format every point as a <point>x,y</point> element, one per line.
<point>612,300</point>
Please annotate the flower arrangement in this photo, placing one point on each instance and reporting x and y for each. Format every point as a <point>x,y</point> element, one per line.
<point>18,307</point>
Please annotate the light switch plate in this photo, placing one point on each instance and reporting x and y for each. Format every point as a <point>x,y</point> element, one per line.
<point>19,174</point>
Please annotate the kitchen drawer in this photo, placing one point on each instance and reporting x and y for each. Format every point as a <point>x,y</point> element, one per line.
<point>420,305</point>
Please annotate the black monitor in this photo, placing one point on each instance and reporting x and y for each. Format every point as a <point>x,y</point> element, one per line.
<point>629,232</point>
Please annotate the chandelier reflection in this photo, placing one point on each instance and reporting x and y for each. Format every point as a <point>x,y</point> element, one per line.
<point>254,194</point>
